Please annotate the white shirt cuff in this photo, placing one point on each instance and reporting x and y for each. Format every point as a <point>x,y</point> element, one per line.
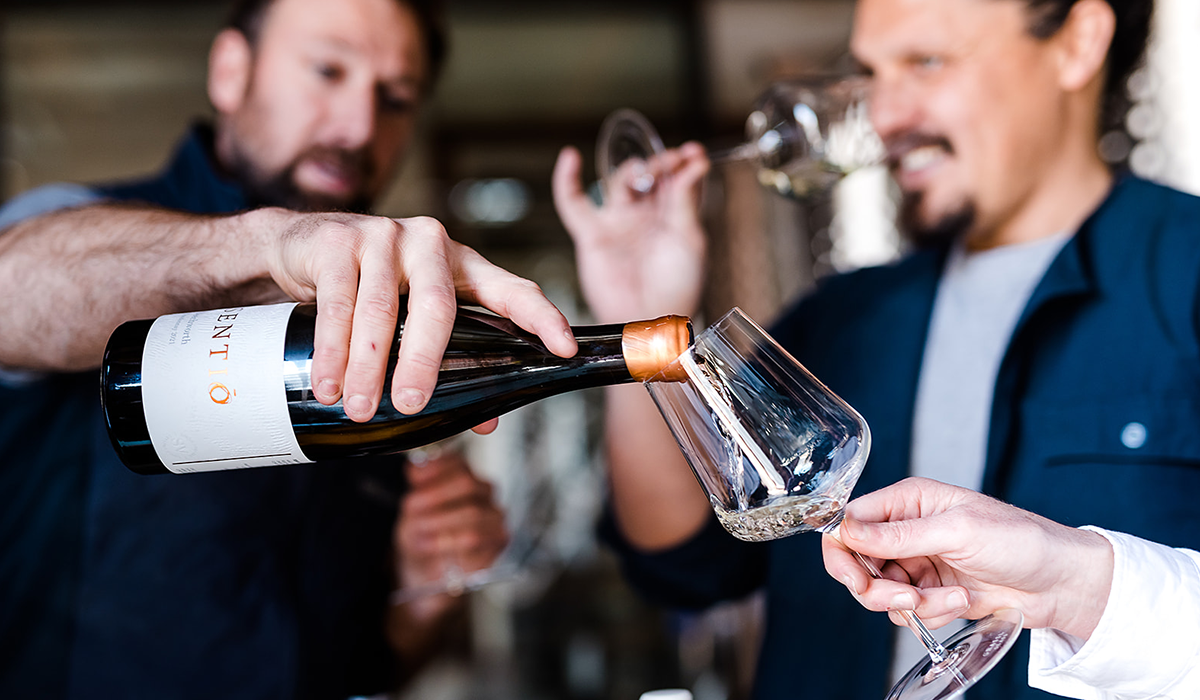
<point>1147,644</point>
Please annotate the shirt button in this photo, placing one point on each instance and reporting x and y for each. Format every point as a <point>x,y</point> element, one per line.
<point>1133,435</point>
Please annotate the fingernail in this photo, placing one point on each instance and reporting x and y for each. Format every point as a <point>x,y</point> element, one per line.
<point>959,600</point>
<point>327,388</point>
<point>411,399</point>
<point>902,601</point>
<point>851,527</point>
<point>848,582</point>
<point>569,335</point>
<point>357,405</point>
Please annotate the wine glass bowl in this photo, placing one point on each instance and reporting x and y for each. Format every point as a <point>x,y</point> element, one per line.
<point>627,139</point>
<point>807,134</point>
<point>776,452</point>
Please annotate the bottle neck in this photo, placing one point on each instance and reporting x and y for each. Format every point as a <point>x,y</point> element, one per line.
<point>651,347</point>
<point>643,349</point>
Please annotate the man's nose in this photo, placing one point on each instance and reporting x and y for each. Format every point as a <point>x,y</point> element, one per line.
<point>354,117</point>
<point>894,108</point>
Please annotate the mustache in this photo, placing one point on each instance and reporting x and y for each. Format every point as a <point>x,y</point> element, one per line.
<point>898,146</point>
<point>358,161</point>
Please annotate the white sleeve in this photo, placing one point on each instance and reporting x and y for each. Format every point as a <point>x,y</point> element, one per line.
<point>1147,644</point>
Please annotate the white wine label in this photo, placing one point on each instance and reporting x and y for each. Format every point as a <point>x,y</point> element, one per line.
<point>212,389</point>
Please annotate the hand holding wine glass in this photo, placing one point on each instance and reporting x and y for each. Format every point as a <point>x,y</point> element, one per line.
<point>957,553</point>
<point>450,528</point>
<point>641,252</point>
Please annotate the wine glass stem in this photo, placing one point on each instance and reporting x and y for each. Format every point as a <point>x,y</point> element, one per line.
<point>453,574</point>
<point>745,151</point>
<point>937,652</point>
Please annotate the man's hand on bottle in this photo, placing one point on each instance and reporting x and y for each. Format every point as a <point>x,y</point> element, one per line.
<point>355,267</point>
<point>640,254</point>
<point>948,552</point>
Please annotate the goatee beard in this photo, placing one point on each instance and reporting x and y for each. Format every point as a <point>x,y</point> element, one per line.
<point>280,190</point>
<point>942,232</point>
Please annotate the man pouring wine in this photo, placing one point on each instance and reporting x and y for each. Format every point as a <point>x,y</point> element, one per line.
<point>255,583</point>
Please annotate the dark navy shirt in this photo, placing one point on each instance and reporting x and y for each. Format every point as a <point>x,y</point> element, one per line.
<point>259,583</point>
<point>1109,339</point>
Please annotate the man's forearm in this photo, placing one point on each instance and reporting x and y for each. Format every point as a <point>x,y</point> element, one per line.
<point>69,278</point>
<point>656,499</point>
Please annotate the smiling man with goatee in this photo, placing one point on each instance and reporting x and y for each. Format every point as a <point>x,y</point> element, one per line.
<point>1041,343</point>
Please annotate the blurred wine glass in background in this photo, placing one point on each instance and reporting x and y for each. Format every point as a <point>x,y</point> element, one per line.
<point>804,135</point>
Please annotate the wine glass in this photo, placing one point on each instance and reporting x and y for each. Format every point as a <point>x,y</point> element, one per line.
<point>804,135</point>
<point>778,453</point>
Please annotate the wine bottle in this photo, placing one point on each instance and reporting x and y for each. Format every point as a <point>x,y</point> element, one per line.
<point>231,388</point>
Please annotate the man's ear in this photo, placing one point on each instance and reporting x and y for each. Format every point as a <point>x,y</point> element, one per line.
<point>1083,42</point>
<point>229,65</point>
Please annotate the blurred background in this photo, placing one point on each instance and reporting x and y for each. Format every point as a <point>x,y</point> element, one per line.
<point>99,90</point>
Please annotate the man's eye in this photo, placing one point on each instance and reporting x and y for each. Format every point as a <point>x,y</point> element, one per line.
<point>395,103</point>
<point>329,71</point>
<point>928,62</point>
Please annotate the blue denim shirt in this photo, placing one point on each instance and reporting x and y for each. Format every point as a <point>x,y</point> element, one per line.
<point>260,583</point>
<point>1094,421</point>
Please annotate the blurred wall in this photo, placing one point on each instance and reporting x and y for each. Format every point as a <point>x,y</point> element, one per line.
<point>92,93</point>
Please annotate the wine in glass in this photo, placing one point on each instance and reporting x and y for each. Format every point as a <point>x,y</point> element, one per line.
<point>803,135</point>
<point>778,453</point>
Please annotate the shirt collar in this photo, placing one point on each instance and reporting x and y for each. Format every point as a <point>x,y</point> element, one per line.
<point>197,179</point>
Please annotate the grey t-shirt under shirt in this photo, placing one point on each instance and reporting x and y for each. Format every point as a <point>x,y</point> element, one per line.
<point>979,298</point>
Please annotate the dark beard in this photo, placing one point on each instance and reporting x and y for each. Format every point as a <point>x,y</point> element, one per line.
<point>946,229</point>
<point>940,233</point>
<point>280,190</point>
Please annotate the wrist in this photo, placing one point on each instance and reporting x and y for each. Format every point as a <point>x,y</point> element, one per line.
<point>429,610</point>
<point>416,636</point>
<point>245,246</point>
<point>259,237</point>
<point>1083,597</point>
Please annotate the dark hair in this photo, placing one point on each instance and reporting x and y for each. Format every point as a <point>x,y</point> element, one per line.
<point>246,16</point>
<point>1124,54</point>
